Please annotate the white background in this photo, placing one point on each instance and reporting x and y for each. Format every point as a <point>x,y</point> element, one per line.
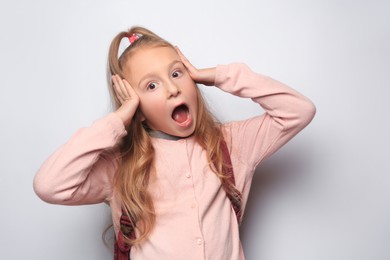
<point>325,195</point>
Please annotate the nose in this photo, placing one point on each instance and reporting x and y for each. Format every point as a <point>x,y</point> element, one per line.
<point>173,90</point>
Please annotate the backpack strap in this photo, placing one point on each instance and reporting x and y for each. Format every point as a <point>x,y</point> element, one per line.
<point>229,183</point>
<point>122,250</point>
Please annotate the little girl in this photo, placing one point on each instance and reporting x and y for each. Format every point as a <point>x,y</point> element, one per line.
<point>177,181</point>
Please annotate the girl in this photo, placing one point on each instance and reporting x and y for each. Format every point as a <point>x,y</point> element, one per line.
<point>176,180</point>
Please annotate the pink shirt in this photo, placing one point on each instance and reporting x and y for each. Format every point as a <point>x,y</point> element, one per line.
<point>195,219</point>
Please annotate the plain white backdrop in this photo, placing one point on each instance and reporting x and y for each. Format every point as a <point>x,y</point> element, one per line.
<point>325,195</point>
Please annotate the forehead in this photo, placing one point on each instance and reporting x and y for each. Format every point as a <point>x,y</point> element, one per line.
<point>146,60</point>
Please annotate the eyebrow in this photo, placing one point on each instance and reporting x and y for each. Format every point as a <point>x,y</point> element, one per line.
<point>151,74</point>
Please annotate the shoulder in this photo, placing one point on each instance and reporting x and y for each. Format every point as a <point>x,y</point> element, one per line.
<point>235,129</point>
<point>241,135</point>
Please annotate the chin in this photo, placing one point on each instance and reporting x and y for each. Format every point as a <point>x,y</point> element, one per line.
<point>185,133</point>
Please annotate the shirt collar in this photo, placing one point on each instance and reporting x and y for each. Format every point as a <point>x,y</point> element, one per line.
<point>162,135</point>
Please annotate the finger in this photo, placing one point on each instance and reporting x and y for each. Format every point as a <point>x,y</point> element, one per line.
<point>119,88</point>
<point>129,89</point>
<point>131,93</point>
<point>185,61</point>
<point>125,91</point>
<point>182,57</point>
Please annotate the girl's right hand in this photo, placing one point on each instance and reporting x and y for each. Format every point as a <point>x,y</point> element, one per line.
<point>127,97</point>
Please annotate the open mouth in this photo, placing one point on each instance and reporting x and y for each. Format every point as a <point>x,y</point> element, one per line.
<point>180,114</point>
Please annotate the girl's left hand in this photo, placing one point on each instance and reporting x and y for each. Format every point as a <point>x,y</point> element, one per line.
<point>202,76</point>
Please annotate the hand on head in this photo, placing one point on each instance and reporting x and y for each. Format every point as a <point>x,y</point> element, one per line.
<point>127,97</point>
<point>201,76</point>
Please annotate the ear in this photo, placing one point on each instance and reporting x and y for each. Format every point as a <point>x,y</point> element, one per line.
<point>140,116</point>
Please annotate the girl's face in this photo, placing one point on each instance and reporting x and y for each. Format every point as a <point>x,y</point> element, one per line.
<point>168,96</point>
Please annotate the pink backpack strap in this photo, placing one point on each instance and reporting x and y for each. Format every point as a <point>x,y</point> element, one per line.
<point>122,250</point>
<point>227,170</point>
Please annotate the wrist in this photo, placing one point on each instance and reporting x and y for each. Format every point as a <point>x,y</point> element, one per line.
<point>126,115</point>
<point>208,76</point>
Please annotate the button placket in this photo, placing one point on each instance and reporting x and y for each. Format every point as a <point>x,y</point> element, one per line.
<point>190,179</point>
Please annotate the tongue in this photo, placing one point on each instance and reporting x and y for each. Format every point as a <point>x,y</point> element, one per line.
<point>180,115</point>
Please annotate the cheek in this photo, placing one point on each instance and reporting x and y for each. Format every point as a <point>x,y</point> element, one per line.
<point>193,94</point>
<point>150,105</point>
<point>189,86</point>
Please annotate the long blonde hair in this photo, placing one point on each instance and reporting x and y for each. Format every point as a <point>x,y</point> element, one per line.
<point>137,153</point>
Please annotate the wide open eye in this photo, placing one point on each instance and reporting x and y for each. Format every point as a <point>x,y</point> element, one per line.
<point>151,86</point>
<point>176,74</point>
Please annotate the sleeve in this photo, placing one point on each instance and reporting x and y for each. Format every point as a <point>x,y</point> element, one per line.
<point>286,113</point>
<point>81,171</point>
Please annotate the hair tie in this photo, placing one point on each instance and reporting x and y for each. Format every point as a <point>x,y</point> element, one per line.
<point>126,42</point>
<point>134,37</point>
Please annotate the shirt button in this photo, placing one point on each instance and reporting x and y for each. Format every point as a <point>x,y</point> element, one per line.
<point>193,205</point>
<point>188,175</point>
<point>199,241</point>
